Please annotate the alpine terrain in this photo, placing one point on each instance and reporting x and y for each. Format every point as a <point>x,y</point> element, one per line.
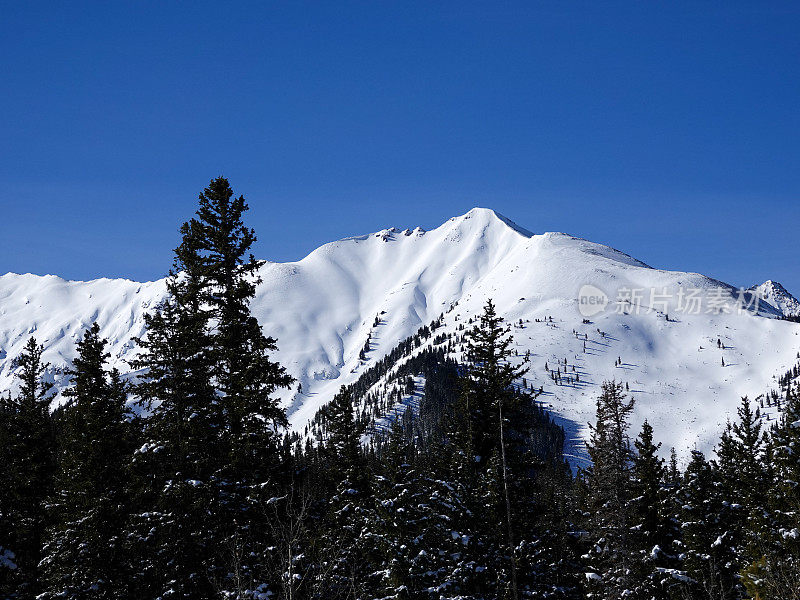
<point>684,345</point>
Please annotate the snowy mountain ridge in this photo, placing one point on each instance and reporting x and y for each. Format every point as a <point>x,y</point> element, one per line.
<point>776,295</point>
<point>686,370</point>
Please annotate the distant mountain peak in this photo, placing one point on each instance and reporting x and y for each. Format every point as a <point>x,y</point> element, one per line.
<point>774,293</point>
<point>487,216</point>
<point>348,304</point>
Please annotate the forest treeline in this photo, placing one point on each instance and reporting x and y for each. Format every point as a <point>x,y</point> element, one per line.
<point>185,484</point>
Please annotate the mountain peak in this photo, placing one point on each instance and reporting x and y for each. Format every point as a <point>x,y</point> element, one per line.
<point>488,215</point>
<point>348,304</point>
<point>773,292</point>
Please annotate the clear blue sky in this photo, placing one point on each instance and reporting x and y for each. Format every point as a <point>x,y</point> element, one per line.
<point>669,130</point>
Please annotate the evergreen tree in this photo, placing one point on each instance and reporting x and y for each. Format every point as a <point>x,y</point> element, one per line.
<point>708,532</point>
<point>26,475</point>
<point>775,572</point>
<point>244,379</point>
<point>751,484</point>
<point>554,567</point>
<point>609,480</point>
<point>416,516</point>
<point>744,482</point>
<point>173,531</point>
<point>85,553</point>
<point>654,559</point>
<point>210,383</point>
<point>499,447</point>
<point>245,376</point>
<point>452,461</point>
<point>503,447</point>
<point>351,521</point>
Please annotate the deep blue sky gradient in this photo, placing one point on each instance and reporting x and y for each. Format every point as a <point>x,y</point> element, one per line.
<point>668,130</point>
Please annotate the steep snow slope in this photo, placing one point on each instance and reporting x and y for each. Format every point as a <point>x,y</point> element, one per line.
<point>57,312</point>
<point>323,310</point>
<point>774,293</point>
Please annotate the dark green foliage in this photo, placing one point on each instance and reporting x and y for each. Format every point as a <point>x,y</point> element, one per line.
<point>210,453</point>
<point>423,522</point>
<point>244,376</point>
<point>173,468</point>
<point>774,568</point>
<point>244,380</point>
<point>654,553</point>
<point>351,521</point>
<point>27,451</point>
<point>501,444</point>
<point>707,533</point>
<point>610,493</point>
<point>455,491</point>
<point>85,553</point>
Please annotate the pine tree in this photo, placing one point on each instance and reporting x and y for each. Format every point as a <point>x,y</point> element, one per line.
<point>744,481</point>
<point>609,493</point>
<point>552,557</point>
<point>417,515</point>
<point>244,377</point>
<point>28,470</point>
<point>775,573</point>
<point>750,484</point>
<point>210,383</point>
<point>85,553</point>
<point>673,473</point>
<point>504,446</point>
<point>451,461</point>
<point>351,521</point>
<point>708,534</point>
<point>173,531</point>
<point>654,559</point>
<point>491,405</point>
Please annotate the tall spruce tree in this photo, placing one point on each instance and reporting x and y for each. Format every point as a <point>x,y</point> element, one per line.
<point>26,475</point>
<point>744,480</point>
<point>505,450</point>
<point>244,377</point>
<point>488,400</point>
<point>774,568</point>
<point>655,556</point>
<point>708,534</point>
<point>173,533</point>
<point>609,495</point>
<point>85,556</point>
<point>211,452</point>
<point>352,551</point>
<point>751,483</point>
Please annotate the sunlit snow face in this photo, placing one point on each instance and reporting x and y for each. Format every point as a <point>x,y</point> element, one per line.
<point>664,332</point>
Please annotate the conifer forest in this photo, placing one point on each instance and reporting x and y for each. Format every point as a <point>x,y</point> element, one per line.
<point>183,481</point>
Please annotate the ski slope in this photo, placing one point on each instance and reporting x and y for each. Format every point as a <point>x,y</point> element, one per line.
<point>323,308</point>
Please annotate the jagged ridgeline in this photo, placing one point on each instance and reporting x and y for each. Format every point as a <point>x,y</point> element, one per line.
<point>436,473</point>
<point>322,311</point>
<point>414,388</point>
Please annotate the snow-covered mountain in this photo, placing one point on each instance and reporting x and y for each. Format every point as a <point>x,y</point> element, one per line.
<point>323,309</point>
<point>776,295</point>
